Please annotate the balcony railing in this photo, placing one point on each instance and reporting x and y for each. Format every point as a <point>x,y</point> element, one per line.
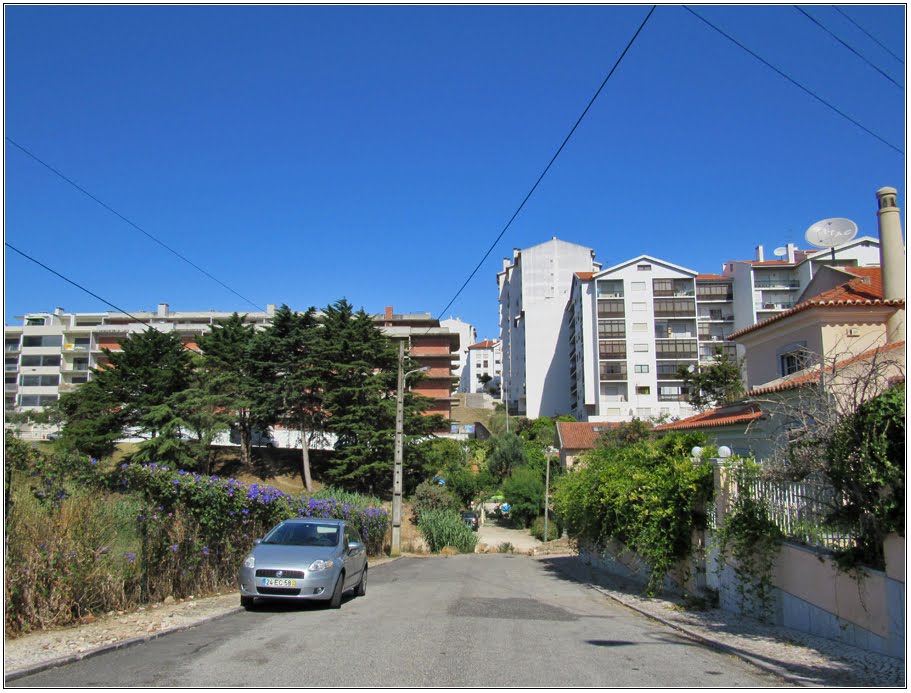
<point>682,397</point>
<point>775,306</point>
<point>680,293</point>
<point>776,283</point>
<point>678,313</point>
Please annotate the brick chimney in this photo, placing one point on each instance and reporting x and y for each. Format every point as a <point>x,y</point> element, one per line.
<point>892,258</point>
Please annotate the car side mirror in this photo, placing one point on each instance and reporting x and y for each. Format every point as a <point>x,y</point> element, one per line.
<point>354,546</point>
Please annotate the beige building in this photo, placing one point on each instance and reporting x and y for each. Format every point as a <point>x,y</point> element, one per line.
<point>837,324</point>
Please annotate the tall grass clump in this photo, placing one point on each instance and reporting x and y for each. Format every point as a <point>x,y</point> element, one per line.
<point>442,528</point>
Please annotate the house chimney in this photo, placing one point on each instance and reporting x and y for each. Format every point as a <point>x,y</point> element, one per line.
<point>388,315</point>
<point>760,255</point>
<point>791,249</point>
<point>162,310</point>
<point>892,258</point>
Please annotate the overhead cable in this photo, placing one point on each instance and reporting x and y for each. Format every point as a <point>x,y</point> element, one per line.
<point>830,33</point>
<point>794,82</point>
<point>547,168</point>
<point>128,221</point>
<point>871,36</point>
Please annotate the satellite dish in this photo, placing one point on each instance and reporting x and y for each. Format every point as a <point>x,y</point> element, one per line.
<point>780,252</point>
<point>829,233</point>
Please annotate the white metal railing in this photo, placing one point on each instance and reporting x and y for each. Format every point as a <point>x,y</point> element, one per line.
<point>799,509</point>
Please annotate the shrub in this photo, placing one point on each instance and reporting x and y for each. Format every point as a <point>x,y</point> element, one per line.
<point>524,491</point>
<point>650,496</point>
<point>537,529</point>
<point>506,547</point>
<point>431,496</point>
<point>442,528</point>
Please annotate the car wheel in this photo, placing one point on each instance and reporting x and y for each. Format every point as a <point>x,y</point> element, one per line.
<point>336,601</point>
<point>361,588</point>
<point>247,603</point>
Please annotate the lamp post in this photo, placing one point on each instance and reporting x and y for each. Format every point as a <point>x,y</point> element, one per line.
<point>396,547</point>
<point>547,454</point>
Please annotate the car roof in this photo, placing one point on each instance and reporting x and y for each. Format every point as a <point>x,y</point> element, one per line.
<point>320,520</point>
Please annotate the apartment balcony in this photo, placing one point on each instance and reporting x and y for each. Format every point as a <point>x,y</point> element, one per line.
<point>675,312</point>
<point>776,283</point>
<point>611,308</point>
<point>774,306</point>
<point>10,387</point>
<point>614,376</point>
<point>674,293</point>
<point>12,348</point>
<point>681,397</point>
<point>715,317</point>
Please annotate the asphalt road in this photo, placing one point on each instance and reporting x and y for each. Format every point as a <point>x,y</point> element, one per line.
<point>493,620</point>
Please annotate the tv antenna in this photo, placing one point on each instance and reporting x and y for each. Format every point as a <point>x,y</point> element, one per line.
<point>829,233</point>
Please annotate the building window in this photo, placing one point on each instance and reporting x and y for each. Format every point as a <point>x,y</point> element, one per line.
<point>643,390</point>
<point>610,288</point>
<point>36,400</point>
<point>793,361</point>
<point>34,321</point>
<point>641,368</point>
<point>79,379</point>
<point>637,286</point>
<point>715,292</point>
<point>612,370</point>
<point>11,364</point>
<point>639,307</point>
<point>611,329</point>
<point>640,347</point>
<point>612,350</point>
<point>12,345</point>
<point>640,327</point>
<point>37,361</point>
<point>643,412</point>
<point>47,340</point>
<point>39,380</point>
<point>644,268</point>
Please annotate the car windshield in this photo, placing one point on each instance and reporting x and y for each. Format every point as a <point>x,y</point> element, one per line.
<point>300,534</point>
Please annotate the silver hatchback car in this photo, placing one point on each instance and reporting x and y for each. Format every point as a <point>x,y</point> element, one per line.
<point>305,559</point>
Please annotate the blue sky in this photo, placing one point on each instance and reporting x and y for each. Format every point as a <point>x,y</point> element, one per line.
<point>302,154</point>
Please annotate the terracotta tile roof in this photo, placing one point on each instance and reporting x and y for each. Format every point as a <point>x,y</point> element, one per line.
<point>712,277</point>
<point>865,290</point>
<point>805,378</point>
<point>722,416</point>
<point>576,435</point>
<point>486,344</point>
<point>585,276</point>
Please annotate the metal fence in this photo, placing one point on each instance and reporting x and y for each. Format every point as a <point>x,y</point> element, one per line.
<point>800,508</point>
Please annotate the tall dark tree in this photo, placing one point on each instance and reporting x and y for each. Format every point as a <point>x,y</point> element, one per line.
<point>296,343</point>
<point>240,373</point>
<point>361,367</point>
<point>137,380</point>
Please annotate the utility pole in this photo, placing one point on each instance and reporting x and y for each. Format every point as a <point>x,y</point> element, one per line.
<point>547,454</point>
<point>397,472</point>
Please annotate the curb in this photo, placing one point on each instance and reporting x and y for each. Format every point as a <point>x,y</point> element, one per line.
<point>123,644</point>
<point>727,649</point>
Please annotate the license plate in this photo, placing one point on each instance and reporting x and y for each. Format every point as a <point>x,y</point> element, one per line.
<point>277,582</point>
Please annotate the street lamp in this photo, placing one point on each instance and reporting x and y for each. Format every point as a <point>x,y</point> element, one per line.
<point>396,547</point>
<point>551,450</point>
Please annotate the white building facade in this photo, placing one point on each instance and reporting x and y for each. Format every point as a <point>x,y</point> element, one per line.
<point>485,366</point>
<point>766,287</point>
<point>632,327</point>
<point>467,335</point>
<point>534,287</point>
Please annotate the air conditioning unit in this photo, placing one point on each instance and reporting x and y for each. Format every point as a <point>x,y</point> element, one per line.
<point>854,332</point>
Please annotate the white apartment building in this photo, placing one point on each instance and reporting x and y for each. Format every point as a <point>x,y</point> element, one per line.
<point>764,288</point>
<point>534,287</point>
<point>632,326</point>
<point>50,353</point>
<point>485,364</point>
<point>467,335</point>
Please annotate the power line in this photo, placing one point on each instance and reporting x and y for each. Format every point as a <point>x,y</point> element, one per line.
<point>78,286</point>
<point>547,168</point>
<point>90,293</point>
<point>794,82</point>
<point>821,26</point>
<point>871,36</point>
<point>128,221</point>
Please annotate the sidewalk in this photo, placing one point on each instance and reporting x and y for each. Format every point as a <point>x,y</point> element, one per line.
<point>799,658</point>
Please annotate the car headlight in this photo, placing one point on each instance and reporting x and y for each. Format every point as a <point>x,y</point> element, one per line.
<point>316,566</point>
<point>249,561</point>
